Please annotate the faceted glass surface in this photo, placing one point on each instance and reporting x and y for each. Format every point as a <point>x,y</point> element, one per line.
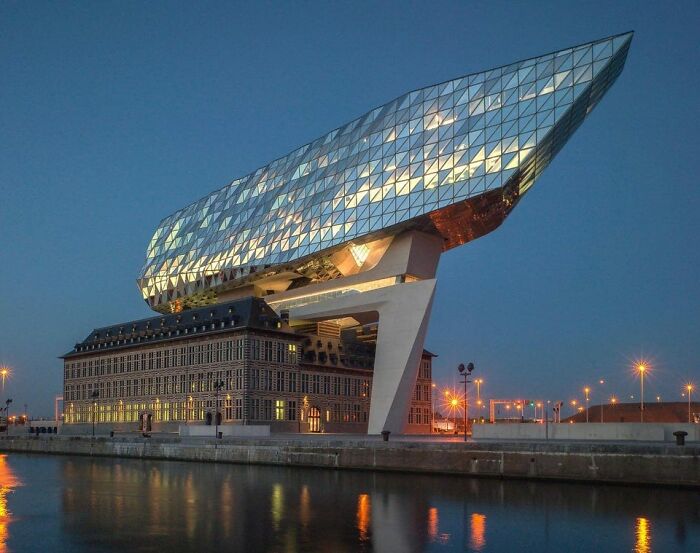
<point>410,158</point>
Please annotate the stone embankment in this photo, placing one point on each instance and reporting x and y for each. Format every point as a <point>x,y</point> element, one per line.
<point>655,464</point>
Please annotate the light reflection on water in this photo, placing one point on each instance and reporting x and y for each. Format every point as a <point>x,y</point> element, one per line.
<point>478,531</point>
<point>643,533</point>
<point>8,482</point>
<point>118,505</point>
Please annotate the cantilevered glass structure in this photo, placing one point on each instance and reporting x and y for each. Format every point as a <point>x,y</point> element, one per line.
<point>454,157</point>
<point>339,227</point>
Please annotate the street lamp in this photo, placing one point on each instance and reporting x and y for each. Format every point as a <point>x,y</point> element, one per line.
<point>454,403</point>
<point>7,415</point>
<point>587,391</point>
<point>218,386</point>
<point>478,382</point>
<point>689,387</point>
<point>642,368</point>
<point>4,372</point>
<point>466,372</point>
<point>601,382</point>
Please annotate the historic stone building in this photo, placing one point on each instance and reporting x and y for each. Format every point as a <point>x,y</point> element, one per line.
<point>236,363</point>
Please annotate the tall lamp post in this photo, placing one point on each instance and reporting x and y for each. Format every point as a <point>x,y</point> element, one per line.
<point>4,371</point>
<point>642,369</point>
<point>218,386</point>
<point>466,372</point>
<point>601,382</point>
<point>7,415</point>
<point>479,403</point>
<point>689,387</point>
<point>478,382</point>
<point>95,395</point>
<point>587,390</point>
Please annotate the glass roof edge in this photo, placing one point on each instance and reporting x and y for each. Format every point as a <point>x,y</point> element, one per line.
<point>366,113</point>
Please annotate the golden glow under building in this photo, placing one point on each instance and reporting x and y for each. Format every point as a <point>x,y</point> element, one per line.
<point>349,228</point>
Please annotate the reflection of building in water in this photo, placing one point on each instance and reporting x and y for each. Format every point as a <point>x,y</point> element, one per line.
<point>8,481</point>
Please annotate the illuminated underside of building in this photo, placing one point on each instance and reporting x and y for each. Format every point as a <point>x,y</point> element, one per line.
<point>350,227</point>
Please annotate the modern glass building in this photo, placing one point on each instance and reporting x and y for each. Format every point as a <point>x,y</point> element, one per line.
<point>452,159</point>
<point>348,229</point>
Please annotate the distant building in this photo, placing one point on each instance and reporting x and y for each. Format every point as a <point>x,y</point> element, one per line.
<point>420,414</point>
<point>159,373</point>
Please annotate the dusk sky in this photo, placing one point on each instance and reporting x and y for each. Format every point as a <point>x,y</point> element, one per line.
<point>114,115</point>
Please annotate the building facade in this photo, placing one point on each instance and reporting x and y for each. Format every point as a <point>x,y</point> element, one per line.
<point>351,226</point>
<point>233,363</point>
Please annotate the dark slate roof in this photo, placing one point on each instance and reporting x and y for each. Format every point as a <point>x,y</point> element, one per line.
<point>245,313</point>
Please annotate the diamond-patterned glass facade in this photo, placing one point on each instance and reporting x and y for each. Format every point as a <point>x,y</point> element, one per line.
<point>453,158</point>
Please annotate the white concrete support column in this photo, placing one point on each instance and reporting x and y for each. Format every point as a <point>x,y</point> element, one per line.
<point>403,324</point>
<point>402,310</point>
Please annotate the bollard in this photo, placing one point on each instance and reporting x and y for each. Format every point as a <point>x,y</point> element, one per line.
<point>680,436</point>
<point>111,433</point>
<point>385,435</point>
<point>220,435</point>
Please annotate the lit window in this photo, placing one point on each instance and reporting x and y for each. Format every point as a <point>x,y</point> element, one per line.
<point>279,410</point>
<point>359,253</point>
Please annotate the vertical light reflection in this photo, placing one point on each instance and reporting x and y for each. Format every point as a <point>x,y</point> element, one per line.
<point>478,531</point>
<point>432,523</point>
<point>305,506</point>
<point>643,535</point>
<point>8,481</point>
<point>364,515</point>
<point>277,508</point>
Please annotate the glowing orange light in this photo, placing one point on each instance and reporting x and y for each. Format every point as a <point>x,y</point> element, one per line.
<point>454,402</point>
<point>432,523</point>
<point>643,535</point>
<point>8,481</point>
<point>478,531</point>
<point>364,515</point>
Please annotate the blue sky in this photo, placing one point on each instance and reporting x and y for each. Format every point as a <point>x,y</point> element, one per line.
<point>115,115</point>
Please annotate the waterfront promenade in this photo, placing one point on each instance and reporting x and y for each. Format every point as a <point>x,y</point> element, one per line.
<point>612,462</point>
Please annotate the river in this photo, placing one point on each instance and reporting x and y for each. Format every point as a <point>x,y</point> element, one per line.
<point>80,504</point>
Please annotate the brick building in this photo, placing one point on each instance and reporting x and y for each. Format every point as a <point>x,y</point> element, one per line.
<point>237,362</point>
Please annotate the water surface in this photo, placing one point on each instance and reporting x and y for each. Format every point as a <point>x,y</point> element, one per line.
<point>78,504</point>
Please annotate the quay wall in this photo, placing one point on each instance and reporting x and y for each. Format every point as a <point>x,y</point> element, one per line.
<point>649,464</point>
<point>626,431</point>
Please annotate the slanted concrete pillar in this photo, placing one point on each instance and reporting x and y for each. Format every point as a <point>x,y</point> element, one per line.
<point>402,309</point>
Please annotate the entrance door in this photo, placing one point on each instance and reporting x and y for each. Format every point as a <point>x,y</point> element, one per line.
<point>145,422</point>
<point>314,420</point>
